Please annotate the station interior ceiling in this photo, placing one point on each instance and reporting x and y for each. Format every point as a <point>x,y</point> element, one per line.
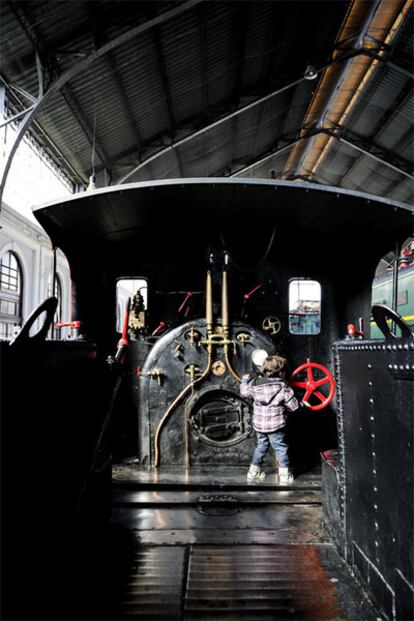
<point>126,91</point>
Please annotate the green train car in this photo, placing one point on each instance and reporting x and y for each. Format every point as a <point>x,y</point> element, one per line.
<point>382,294</point>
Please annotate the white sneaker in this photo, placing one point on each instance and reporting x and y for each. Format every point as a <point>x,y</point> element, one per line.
<point>285,475</point>
<point>254,473</point>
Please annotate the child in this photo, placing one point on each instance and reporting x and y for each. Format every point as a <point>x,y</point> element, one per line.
<point>271,398</point>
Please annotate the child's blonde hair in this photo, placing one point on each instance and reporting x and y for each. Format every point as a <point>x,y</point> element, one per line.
<point>273,365</point>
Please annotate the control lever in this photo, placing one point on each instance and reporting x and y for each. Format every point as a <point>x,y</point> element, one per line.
<point>123,341</point>
<point>246,297</point>
<point>184,302</point>
<point>160,326</point>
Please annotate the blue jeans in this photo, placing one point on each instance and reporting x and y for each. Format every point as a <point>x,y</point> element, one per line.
<point>278,441</point>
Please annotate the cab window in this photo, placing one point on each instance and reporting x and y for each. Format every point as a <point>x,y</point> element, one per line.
<point>136,289</point>
<point>304,306</point>
<point>401,296</point>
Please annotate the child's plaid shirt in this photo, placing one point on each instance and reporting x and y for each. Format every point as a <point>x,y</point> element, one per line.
<point>271,398</point>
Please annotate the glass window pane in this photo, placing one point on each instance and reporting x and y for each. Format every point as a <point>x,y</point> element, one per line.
<point>10,273</point>
<point>137,290</point>
<point>304,306</point>
<point>383,286</point>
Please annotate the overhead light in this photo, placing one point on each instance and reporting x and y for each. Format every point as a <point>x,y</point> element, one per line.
<point>310,73</point>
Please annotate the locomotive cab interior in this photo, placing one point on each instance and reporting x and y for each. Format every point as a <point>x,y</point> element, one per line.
<point>194,355</point>
<point>171,310</point>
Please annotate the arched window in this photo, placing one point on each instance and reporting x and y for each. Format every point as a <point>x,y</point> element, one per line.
<point>10,295</point>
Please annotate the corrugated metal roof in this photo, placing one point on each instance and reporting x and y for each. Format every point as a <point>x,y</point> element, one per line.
<point>193,72</point>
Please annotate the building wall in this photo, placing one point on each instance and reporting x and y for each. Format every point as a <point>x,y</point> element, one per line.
<point>33,250</point>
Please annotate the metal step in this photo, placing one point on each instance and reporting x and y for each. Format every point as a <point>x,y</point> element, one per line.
<point>125,496</point>
<point>218,478</point>
<point>278,582</point>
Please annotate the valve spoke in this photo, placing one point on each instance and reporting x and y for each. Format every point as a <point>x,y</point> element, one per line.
<point>319,382</point>
<point>307,395</point>
<point>320,396</point>
<point>309,374</point>
<point>303,385</point>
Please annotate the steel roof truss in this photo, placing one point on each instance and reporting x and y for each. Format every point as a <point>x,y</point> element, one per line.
<point>70,73</point>
<point>167,89</point>
<point>369,147</point>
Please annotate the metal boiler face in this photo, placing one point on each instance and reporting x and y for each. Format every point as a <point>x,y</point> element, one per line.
<point>190,406</point>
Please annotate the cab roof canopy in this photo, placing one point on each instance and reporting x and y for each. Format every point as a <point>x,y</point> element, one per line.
<point>129,91</point>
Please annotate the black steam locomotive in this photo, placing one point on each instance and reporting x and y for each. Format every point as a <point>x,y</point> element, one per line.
<point>228,268</point>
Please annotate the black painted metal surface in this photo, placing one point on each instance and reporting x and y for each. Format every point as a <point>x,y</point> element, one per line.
<point>116,213</point>
<point>331,496</point>
<point>53,405</point>
<point>375,424</point>
<point>211,423</point>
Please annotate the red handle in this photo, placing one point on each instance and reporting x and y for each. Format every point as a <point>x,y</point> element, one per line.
<point>247,295</point>
<point>160,326</point>
<point>183,303</point>
<point>123,341</point>
<point>68,324</point>
<point>312,385</point>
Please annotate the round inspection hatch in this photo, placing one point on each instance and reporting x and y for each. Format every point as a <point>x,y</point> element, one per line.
<point>219,418</point>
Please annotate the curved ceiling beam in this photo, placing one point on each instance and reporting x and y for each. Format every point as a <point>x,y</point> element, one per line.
<point>232,115</point>
<point>81,66</point>
<point>207,128</point>
<point>52,66</point>
<point>69,171</point>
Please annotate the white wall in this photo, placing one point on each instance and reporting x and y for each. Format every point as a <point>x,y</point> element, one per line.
<point>33,249</point>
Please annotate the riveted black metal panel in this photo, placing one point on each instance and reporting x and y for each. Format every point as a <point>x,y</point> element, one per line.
<point>376,395</point>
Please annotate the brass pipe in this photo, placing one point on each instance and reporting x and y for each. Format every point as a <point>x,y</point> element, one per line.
<point>228,364</point>
<point>209,304</point>
<point>175,403</point>
<point>224,305</point>
<point>225,318</point>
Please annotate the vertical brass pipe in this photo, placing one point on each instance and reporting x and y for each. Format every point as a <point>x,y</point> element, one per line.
<point>224,305</point>
<point>209,304</point>
<point>173,405</point>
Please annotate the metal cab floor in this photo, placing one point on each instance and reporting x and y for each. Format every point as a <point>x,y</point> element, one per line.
<point>210,545</point>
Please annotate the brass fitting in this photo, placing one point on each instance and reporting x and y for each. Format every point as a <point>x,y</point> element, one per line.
<point>157,374</point>
<point>193,371</point>
<point>193,336</point>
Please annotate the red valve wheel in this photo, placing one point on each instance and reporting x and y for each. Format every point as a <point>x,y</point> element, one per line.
<point>311,385</point>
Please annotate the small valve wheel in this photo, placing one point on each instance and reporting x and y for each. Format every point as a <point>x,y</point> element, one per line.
<point>272,324</point>
<point>312,385</point>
